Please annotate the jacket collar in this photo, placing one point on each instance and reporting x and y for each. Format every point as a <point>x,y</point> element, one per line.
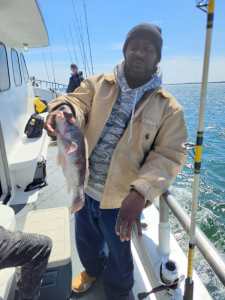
<point>111,78</point>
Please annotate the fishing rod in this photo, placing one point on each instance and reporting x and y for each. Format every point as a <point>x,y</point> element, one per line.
<point>81,40</point>
<point>84,45</point>
<point>88,35</point>
<point>68,48</point>
<point>74,45</point>
<point>52,63</point>
<point>80,48</point>
<point>209,9</point>
<point>45,65</point>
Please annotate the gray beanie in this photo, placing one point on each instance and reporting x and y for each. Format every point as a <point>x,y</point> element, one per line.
<point>149,31</point>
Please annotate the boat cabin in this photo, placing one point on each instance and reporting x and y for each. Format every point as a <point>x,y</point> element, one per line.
<point>21,26</point>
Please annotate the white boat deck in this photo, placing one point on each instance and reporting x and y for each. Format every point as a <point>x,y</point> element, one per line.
<point>55,195</point>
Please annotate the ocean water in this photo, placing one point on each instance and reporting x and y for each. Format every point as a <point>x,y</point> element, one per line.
<point>211,212</point>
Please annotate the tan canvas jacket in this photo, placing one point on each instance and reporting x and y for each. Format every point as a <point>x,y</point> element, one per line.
<point>150,161</point>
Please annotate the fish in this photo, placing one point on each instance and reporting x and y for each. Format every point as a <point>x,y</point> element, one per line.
<point>72,157</point>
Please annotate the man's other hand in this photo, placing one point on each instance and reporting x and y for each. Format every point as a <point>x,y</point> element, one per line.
<point>129,215</point>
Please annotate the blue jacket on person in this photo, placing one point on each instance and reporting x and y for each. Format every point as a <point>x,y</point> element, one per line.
<point>74,82</point>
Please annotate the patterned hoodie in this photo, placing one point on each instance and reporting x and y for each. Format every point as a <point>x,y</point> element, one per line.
<point>122,113</point>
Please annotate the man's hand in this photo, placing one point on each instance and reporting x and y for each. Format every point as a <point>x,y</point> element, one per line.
<point>129,215</point>
<point>50,123</point>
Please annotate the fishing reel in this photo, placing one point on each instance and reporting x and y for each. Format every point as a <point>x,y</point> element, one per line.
<point>169,278</point>
<point>169,273</point>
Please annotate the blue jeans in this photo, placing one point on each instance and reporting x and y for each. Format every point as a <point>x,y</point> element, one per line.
<point>95,228</point>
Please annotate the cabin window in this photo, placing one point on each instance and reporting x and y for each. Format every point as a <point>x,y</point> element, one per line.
<point>24,68</point>
<point>16,68</point>
<point>4,70</point>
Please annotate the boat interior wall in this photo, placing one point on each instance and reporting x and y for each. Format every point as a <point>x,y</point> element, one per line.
<point>21,24</point>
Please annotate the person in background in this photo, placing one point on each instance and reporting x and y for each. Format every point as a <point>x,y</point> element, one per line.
<point>135,131</point>
<point>75,79</point>
<point>30,252</point>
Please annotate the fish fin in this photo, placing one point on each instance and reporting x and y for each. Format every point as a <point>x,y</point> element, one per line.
<point>71,148</point>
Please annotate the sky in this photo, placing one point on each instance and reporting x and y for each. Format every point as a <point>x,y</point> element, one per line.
<point>183,30</point>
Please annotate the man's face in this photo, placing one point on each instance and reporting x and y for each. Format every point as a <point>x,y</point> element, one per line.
<point>141,57</point>
<point>74,71</point>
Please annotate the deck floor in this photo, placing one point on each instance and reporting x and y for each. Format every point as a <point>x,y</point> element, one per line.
<point>55,195</point>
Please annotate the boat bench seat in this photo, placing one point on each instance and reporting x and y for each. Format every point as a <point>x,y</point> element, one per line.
<point>23,160</point>
<point>7,276</point>
<point>54,223</point>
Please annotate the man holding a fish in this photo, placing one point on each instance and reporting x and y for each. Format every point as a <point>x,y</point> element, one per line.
<point>135,134</point>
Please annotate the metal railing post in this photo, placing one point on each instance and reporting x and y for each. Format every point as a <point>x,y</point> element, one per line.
<point>164,227</point>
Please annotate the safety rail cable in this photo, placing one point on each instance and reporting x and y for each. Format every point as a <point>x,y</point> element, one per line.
<point>50,85</point>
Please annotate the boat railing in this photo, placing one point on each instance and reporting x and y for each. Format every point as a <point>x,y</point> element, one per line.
<point>52,86</point>
<point>168,203</point>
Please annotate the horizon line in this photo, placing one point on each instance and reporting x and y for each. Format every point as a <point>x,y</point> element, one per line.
<point>181,83</point>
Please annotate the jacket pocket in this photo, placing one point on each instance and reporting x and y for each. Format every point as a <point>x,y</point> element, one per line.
<point>148,133</point>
